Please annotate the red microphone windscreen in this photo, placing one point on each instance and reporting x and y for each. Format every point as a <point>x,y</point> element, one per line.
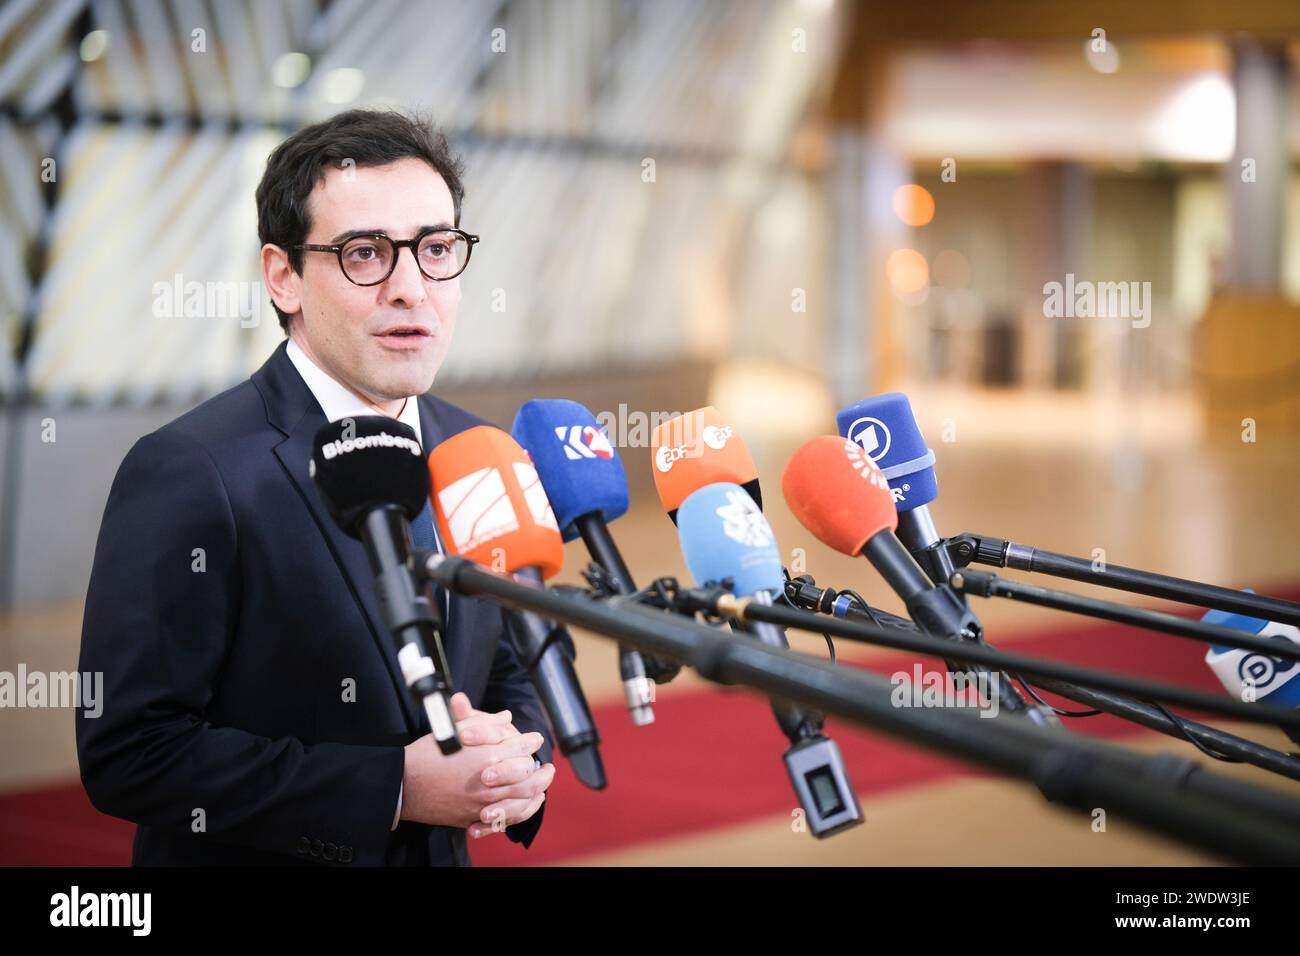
<point>837,492</point>
<point>490,505</point>
<point>697,449</point>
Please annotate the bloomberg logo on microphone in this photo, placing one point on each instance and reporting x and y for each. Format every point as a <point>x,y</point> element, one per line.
<point>712,436</point>
<point>344,446</point>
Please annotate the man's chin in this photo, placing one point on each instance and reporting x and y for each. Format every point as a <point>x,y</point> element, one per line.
<point>394,388</point>
<point>399,374</point>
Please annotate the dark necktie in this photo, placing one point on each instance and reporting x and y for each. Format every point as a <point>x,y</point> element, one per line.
<point>423,535</point>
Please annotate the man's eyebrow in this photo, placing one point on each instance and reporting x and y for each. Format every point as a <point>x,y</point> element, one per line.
<point>345,236</point>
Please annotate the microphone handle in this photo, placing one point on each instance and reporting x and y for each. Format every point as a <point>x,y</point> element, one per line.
<point>987,584</point>
<point>411,620</point>
<point>794,722</point>
<point>545,649</point>
<point>938,611</point>
<point>595,535</point>
<point>917,532</point>
<point>600,544</point>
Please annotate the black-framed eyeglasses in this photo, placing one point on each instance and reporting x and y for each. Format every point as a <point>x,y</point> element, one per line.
<point>370,258</point>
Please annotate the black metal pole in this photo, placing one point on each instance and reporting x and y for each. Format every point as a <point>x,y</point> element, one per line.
<point>987,584</point>
<point>1229,745</point>
<point>1066,769</point>
<point>1001,553</point>
<point>976,654</point>
<point>811,597</point>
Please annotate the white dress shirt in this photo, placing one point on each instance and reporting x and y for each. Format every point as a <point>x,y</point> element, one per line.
<point>336,401</point>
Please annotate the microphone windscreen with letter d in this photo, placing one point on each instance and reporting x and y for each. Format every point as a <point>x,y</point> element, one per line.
<point>1250,675</point>
<point>697,449</point>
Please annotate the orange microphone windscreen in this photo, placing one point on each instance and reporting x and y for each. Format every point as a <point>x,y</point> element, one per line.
<point>490,505</point>
<point>837,492</point>
<point>697,449</point>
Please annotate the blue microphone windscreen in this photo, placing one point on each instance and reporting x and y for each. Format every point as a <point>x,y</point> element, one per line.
<point>724,535</point>
<point>1275,679</point>
<point>577,463</point>
<point>1238,622</point>
<point>887,431</point>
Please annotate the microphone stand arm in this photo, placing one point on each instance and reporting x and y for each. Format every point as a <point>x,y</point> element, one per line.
<point>962,550</point>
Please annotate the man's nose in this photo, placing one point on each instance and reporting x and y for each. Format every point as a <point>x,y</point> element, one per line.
<point>407,283</point>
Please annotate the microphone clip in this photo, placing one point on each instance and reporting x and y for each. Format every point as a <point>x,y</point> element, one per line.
<point>668,594</point>
<point>600,581</point>
<point>704,600</point>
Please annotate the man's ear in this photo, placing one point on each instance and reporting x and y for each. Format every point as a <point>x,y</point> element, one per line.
<point>282,283</point>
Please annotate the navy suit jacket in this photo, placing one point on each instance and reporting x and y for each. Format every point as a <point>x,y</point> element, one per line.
<point>230,616</point>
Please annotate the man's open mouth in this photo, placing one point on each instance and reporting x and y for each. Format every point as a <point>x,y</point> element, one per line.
<point>406,332</point>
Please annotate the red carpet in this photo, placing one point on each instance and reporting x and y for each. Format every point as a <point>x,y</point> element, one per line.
<point>712,759</point>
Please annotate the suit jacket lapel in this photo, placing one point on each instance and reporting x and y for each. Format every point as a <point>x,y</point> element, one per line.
<point>291,408</point>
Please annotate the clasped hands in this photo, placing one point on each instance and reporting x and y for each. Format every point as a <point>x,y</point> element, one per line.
<point>491,783</point>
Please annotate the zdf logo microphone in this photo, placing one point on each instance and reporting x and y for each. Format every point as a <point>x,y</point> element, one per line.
<point>711,436</point>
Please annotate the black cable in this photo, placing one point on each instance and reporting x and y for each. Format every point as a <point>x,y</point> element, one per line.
<point>1057,710</point>
<point>1182,731</point>
<point>830,644</point>
<point>1173,718</point>
<point>866,608</point>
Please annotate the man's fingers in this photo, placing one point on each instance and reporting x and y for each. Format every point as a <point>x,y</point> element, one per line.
<point>462,709</point>
<point>497,816</point>
<point>502,715</point>
<point>516,772</point>
<point>506,772</point>
<point>520,746</point>
<point>460,706</point>
<point>517,811</point>
<point>484,730</point>
<point>527,790</point>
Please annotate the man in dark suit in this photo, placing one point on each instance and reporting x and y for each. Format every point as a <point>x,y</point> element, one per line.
<point>254,708</point>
